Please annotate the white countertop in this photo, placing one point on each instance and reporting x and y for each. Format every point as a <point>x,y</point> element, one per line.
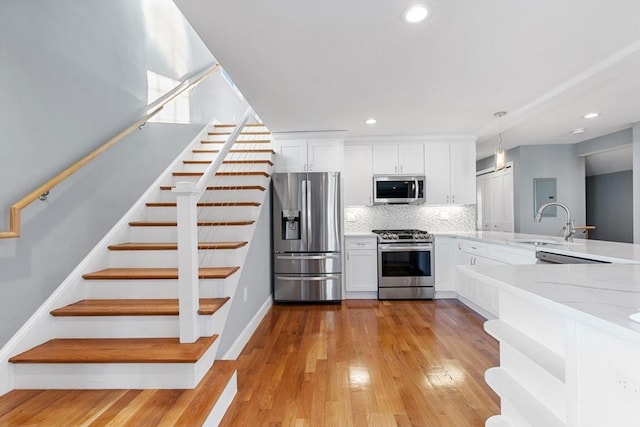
<point>601,295</point>
<point>595,249</point>
<point>360,234</point>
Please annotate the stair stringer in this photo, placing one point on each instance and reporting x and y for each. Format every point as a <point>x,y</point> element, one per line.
<point>40,327</point>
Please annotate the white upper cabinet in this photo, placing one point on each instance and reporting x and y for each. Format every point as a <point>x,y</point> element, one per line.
<point>358,175</point>
<point>308,155</point>
<point>463,173</point>
<point>450,173</point>
<point>398,159</point>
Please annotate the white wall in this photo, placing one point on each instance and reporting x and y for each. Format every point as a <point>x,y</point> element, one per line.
<point>72,75</point>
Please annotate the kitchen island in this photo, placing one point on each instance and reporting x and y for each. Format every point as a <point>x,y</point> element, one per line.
<point>569,353</point>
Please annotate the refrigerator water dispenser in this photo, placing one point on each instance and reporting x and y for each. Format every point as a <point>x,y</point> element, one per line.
<point>290,224</point>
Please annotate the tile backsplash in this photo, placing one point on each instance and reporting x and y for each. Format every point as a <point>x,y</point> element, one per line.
<point>430,218</point>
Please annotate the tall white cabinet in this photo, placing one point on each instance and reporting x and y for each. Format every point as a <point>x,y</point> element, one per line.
<point>495,200</point>
<point>450,173</point>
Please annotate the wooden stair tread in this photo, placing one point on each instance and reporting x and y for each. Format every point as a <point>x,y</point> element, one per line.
<point>245,150</point>
<point>222,187</point>
<point>233,125</point>
<point>172,246</point>
<point>250,132</point>
<point>248,173</point>
<point>229,162</point>
<point>156,273</point>
<point>170,407</point>
<point>134,307</point>
<point>116,350</point>
<point>200,223</point>
<point>202,204</point>
<point>238,141</point>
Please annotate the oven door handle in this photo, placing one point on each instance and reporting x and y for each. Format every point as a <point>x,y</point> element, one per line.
<point>398,248</point>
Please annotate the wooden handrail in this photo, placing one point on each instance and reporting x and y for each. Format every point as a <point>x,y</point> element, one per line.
<point>16,209</point>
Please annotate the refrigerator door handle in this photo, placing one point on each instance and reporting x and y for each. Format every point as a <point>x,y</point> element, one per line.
<point>308,212</point>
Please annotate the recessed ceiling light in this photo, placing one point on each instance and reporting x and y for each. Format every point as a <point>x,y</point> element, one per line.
<point>416,13</point>
<point>578,130</point>
<point>371,121</point>
<point>591,115</point>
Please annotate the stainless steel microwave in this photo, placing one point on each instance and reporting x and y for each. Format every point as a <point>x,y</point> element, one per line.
<point>393,189</point>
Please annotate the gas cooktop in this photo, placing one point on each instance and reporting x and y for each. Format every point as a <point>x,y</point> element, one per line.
<point>409,235</point>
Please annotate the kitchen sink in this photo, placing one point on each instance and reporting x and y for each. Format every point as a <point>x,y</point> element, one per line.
<point>538,242</point>
<point>544,242</point>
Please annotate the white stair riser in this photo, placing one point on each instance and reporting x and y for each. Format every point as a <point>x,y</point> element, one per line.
<point>234,156</point>
<point>228,167</point>
<point>91,376</point>
<point>222,404</point>
<point>230,233</point>
<point>206,213</point>
<point>226,180</point>
<point>135,326</point>
<point>220,196</point>
<point>141,289</point>
<point>169,259</point>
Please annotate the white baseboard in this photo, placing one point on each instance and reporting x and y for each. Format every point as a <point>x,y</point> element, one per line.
<point>223,403</point>
<point>242,340</point>
<point>361,295</point>
<point>445,295</point>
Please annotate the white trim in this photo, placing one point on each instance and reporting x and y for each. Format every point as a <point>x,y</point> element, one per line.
<point>635,188</point>
<point>279,136</point>
<point>222,404</point>
<point>412,138</point>
<point>446,295</point>
<point>244,336</point>
<point>361,295</point>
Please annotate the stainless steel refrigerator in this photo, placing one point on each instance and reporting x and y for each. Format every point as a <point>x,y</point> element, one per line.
<point>306,228</point>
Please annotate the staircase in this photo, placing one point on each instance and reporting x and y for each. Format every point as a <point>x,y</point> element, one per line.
<point>115,325</point>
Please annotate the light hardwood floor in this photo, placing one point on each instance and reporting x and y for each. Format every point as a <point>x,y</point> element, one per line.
<point>366,363</point>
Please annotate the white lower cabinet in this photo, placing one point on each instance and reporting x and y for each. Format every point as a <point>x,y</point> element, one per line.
<point>361,264</point>
<point>479,296</point>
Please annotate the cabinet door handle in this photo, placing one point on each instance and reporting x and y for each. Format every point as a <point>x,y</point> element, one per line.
<point>453,198</point>
<point>400,168</point>
<point>395,169</point>
<point>447,198</point>
<point>369,199</point>
<point>310,167</point>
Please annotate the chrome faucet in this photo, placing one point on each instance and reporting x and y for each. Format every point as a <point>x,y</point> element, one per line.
<point>569,229</point>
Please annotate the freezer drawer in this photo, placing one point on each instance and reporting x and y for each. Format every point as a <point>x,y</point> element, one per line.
<point>307,288</point>
<point>307,263</point>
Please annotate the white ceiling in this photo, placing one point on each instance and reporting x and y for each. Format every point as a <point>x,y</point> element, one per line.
<point>330,64</point>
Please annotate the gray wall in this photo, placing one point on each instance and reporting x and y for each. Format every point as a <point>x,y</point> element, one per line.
<point>545,161</point>
<point>72,75</point>
<point>255,276</point>
<point>610,206</point>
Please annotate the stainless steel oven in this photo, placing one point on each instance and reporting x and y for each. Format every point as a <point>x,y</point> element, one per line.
<point>405,265</point>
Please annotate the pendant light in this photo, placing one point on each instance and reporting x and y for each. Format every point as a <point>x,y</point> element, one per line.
<point>501,154</point>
